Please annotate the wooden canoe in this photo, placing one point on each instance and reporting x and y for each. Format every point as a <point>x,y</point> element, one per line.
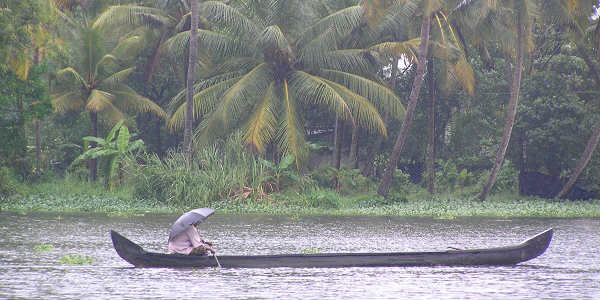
<point>510,255</point>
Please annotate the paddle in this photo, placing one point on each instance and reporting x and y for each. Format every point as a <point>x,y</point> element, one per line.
<point>217,259</point>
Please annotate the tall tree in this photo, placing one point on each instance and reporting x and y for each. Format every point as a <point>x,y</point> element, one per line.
<point>430,158</point>
<point>267,73</point>
<point>191,76</point>
<point>386,181</point>
<point>583,29</point>
<point>96,80</point>
<point>508,24</point>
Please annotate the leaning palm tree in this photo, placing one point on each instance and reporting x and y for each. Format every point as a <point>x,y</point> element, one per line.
<point>96,80</point>
<point>425,8</point>
<point>266,75</point>
<point>509,24</point>
<point>391,18</point>
<point>583,30</point>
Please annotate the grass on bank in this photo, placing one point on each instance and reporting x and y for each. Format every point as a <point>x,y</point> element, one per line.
<point>226,177</point>
<point>73,195</point>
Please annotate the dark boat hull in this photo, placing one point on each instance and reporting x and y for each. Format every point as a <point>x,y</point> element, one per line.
<point>510,255</point>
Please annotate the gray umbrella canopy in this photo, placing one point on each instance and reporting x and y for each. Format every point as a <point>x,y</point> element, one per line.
<point>186,220</point>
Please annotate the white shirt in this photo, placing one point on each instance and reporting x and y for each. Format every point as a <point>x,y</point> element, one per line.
<point>186,241</point>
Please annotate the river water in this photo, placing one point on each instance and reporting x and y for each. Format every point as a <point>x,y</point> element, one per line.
<point>570,269</point>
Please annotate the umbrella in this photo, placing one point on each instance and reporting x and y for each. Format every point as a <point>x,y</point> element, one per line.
<point>186,220</point>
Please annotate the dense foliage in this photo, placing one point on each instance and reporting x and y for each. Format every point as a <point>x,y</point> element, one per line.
<point>298,81</point>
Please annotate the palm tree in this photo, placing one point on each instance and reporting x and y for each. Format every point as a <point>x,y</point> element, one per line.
<point>191,76</point>
<point>575,16</point>
<point>427,9</point>
<point>509,25</point>
<point>22,59</point>
<point>268,71</point>
<point>95,82</point>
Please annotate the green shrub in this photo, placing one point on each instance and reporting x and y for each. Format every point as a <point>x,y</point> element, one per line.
<point>506,181</point>
<point>217,172</point>
<point>8,183</point>
<point>323,176</point>
<point>370,200</point>
<point>321,198</point>
<point>400,183</point>
<point>449,177</point>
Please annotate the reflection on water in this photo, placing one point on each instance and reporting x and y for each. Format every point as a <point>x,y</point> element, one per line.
<point>570,269</point>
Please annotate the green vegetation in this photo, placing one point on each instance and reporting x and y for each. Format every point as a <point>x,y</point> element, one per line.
<point>111,150</point>
<point>76,259</point>
<point>43,248</point>
<point>301,107</point>
<point>72,195</point>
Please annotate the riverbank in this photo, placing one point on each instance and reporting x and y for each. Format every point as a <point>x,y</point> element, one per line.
<point>66,196</point>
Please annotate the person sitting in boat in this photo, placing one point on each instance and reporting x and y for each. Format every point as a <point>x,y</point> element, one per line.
<point>189,242</point>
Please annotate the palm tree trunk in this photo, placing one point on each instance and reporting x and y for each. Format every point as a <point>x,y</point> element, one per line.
<point>585,158</point>
<point>157,129</point>
<point>353,156</point>
<point>512,111</point>
<point>191,74</point>
<point>386,181</point>
<point>21,151</point>
<point>593,140</point>
<point>369,170</point>
<point>38,147</point>
<point>431,142</point>
<point>337,144</point>
<point>154,58</point>
<point>36,122</point>
<point>92,163</point>
<point>337,150</point>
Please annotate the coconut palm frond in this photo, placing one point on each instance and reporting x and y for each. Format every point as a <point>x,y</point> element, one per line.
<point>291,132</point>
<point>99,101</point>
<point>364,113</point>
<point>69,101</point>
<point>272,39</point>
<point>75,74</point>
<point>218,43</point>
<point>66,18</point>
<point>184,22</point>
<point>465,75</point>
<point>119,15</point>
<point>179,99</point>
<point>235,103</point>
<point>130,101</point>
<point>357,61</point>
<point>117,78</point>
<point>112,114</point>
<point>237,65</point>
<point>103,63</point>
<point>226,16</point>
<point>324,41</point>
<point>129,47</point>
<point>245,90</point>
<point>342,22</point>
<point>397,49</point>
<point>374,11</point>
<point>394,19</point>
<point>382,97</point>
<point>262,124</point>
<point>205,101</point>
<point>313,89</point>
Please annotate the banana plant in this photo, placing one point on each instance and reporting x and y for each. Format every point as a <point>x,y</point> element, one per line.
<point>111,151</point>
<point>278,171</point>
